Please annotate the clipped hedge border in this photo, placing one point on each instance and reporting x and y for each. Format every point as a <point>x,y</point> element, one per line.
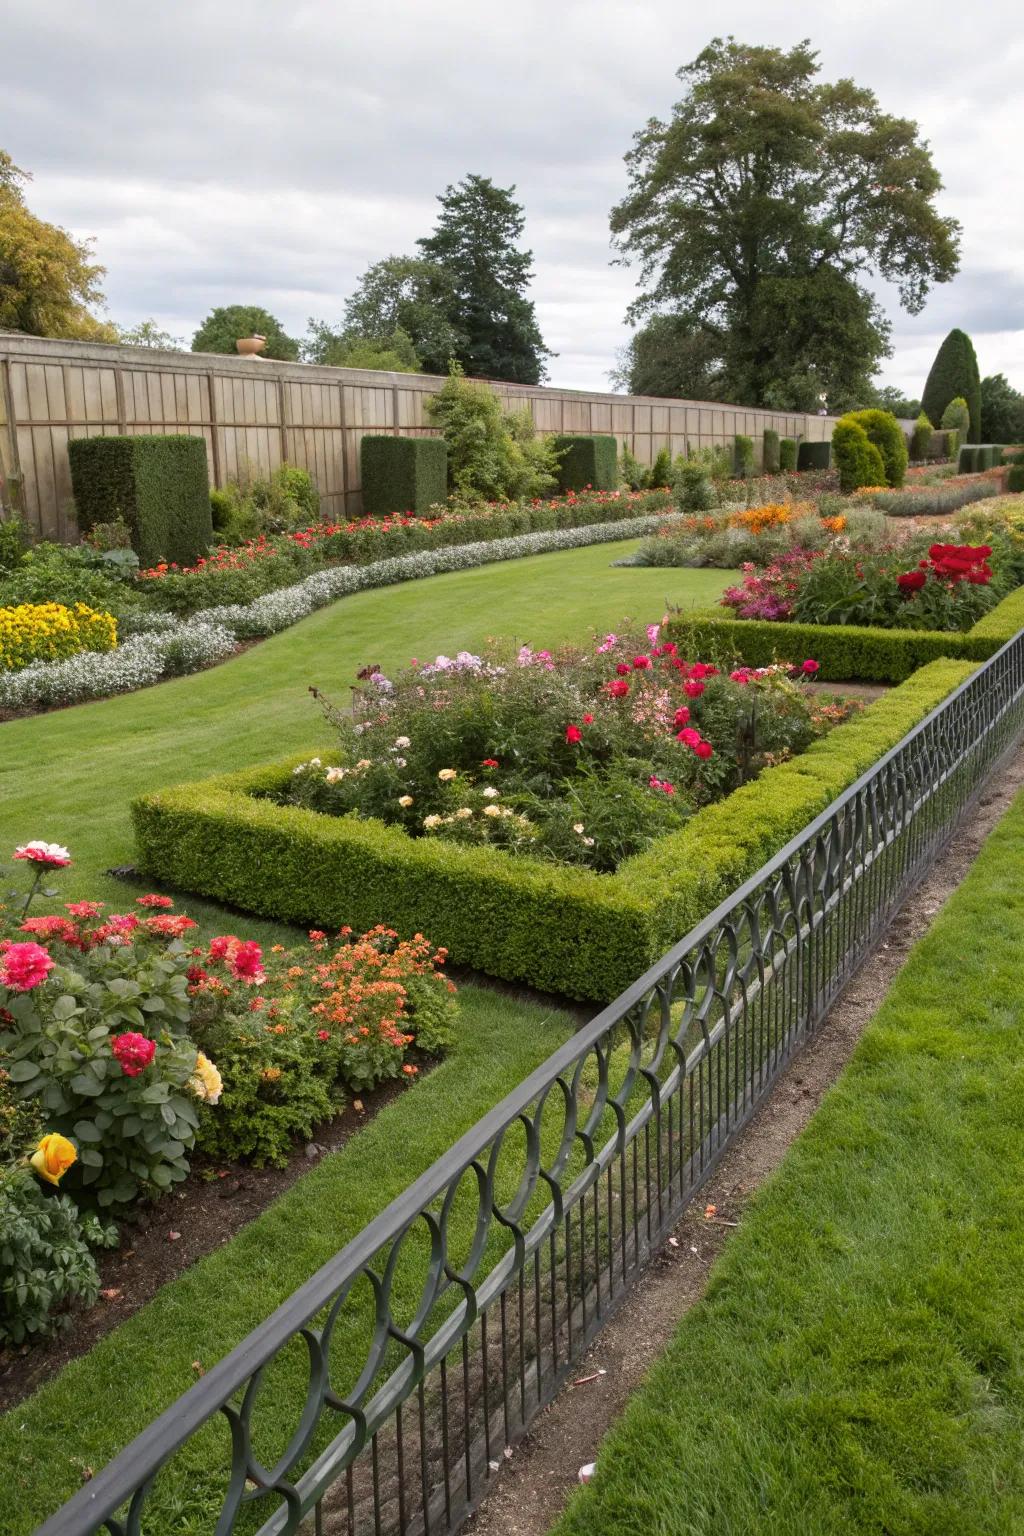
<point>846,652</point>
<point>569,931</point>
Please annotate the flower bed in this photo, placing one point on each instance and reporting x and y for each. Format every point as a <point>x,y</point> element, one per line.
<point>758,534</point>
<point>125,1047</point>
<point>44,632</point>
<point>159,645</point>
<point>563,929</point>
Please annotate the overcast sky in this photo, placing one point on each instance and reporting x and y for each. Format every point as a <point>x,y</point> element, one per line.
<point>228,152</point>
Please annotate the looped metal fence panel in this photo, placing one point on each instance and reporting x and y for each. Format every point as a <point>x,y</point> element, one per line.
<point>381,1397</point>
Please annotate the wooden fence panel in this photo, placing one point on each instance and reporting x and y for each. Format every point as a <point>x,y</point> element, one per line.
<point>253,415</point>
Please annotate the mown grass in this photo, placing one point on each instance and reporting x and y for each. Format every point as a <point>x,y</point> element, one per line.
<point>858,1362</point>
<point>70,776</point>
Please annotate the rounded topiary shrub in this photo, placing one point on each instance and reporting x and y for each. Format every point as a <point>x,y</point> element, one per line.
<point>922,440</point>
<point>885,434</point>
<point>856,457</point>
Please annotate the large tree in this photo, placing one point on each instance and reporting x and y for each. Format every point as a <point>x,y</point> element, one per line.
<point>954,375</point>
<point>228,324</point>
<point>475,245</point>
<point>348,349</point>
<point>758,212</point>
<point>668,356</point>
<point>400,293</point>
<point>1002,411</point>
<point>48,279</point>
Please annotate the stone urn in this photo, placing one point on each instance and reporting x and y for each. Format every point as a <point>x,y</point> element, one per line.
<point>251,346</point>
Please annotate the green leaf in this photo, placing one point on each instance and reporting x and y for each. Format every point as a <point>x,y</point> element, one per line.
<point>65,1006</point>
<point>22,1071</point>
<point>86,1130</point>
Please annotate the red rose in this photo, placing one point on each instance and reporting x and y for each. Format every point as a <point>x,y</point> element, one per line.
<point>617,689</point>
<point>588,719</point>
<point>133,1051</point>
<point>810,667</point>
<point>703,749</point>
<point>640,663</point>
<point>573,734</point>
<point>911,581</point>
<point>682,715</point>
<point>693,690</point>
<point>489,762</point>
<point>622,669</point>
<point>247,961</point>
<point>689,737</point>
<point>153,901</point>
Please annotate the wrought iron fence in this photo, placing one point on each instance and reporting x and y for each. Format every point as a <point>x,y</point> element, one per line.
<point>381,1396</point>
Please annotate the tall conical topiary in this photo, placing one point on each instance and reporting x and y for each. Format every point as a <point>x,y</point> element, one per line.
<point>954,372</point>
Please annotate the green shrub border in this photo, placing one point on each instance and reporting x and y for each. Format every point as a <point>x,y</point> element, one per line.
<point>587,460</point>
<point>814,455</point>
<point>845,652</point>
<point>572,932</point>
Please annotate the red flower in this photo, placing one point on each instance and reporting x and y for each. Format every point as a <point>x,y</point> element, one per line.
<point>693,690</point>
<point>489,762</point>
<point>641,663</point>
<point>222,945</point>
<point>911,581</point>
<point>49,928</point>
<point>682,715</point>
<point>663,784</point>
<point>84,908</point>
<point>689,737</point>
<point>153,901</point>
<point>704,749</point>
<point>741,675</point>
<point>573,734</point>
<point>323,1034</point>
<point>168,925</point>
<point>133,1051</point>
<point>247,961</point>
<point>622,669</point>
<point>617,689</point>
<point>588,719</point>
<point>669,648</point>
<point>196,974</point>
<point>23,966</point>
<point>810,667</point>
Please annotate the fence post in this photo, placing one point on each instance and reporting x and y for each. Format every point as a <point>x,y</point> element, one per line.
<point>214,440</point>
<point>12,487</point>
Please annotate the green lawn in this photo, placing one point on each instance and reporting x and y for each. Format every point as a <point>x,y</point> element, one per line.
<point>69,776</point>
<point>858,1362</point>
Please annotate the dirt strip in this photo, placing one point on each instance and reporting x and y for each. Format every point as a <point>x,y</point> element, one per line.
<point>536,1479</point>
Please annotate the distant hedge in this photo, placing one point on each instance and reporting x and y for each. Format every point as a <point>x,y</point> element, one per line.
<point>569,931</point>
<point>403,474</point>
<point>814,456</point>
<point>159,486</point>
<point>787,453</point>
<point>743,455</point>
<point>770,452</point>
<point>587,460</point>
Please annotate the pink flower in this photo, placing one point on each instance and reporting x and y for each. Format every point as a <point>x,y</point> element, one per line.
<point>652,632</point>
<point>810,667</point>
<point>45,855</point>
<point>84,908</point>
<point>663,784</point>
<point>169,925</point>
<point>704,749</point>
<point>693,690</point>
<point>222,945</point>
<point>607,644</point>
<point>573,734</point>
<point>669,648</point>
<point>323,1034</point>
<point>153,901</point>
<point>739,676</point>
<point>622,669</point>
<point>247,961</point>
<point>689,737</point>
<point>133,1051</point>
<point>588,719</point>
<point>23,966</point>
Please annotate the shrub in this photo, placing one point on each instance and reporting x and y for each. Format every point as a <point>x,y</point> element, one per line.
<point>933,500</point>
<point>788,455</point>
<point>950,444</point>
<point>565,930</point>
<point>884,431</point>
<point>491,456</point>
<point>771,461</point>
<point>403,474</point>
<point>586,460</point>
<point>631,471</point>
<point>660,475</point>
<point>956,418</point>
<point>1015,478</point>
<point>49,632</point>
<point>921,442</point>
<point>954,375</point>
<point>814,456</point>
<point>13,543</point>
<point>857,458</point>
<point>694,491</point>
<point>45,1258</point>
<point>157,485</point>
<point>743,455</point>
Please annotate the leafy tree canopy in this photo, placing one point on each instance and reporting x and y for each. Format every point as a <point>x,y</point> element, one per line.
<point>346,349</point>
<point>1002,411</point>
<point>764,204</point>
<point>888,397</point>
<point>954,374</point>
<point>148,334</point>
<point>475,245</point>
<point>226,325</point>
<point>48,280</point>
<point>400,293</point>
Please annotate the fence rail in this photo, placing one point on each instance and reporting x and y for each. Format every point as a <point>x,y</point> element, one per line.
<point>379,1398</point>
<point>253,415</point>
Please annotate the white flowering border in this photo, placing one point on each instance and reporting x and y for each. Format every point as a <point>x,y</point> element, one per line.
<point>158,645</point>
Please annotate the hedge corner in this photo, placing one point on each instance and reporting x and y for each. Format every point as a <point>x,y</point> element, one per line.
<point>587,461</point>
<point>159,486</point>
<point>403,474</point>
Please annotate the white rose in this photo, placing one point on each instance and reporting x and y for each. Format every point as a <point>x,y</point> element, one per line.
<point>447,774</point>
<point>402,741</point>
<point>334,774</point>
<point>492,810</point>
<point>462,812</point>
<point>405,800</point>
<point>431,821</point>
<point>364,762</point>
<point>578,828</point>
<point>491,793</point>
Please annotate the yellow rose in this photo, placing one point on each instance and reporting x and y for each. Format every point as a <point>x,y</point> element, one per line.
<point>206,1082</point>
<point>54,1157</point>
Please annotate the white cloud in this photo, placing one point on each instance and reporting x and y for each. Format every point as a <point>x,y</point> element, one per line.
<point>252,152</point>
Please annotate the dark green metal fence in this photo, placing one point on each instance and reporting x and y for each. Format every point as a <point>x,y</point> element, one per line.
<point>381,1396</point>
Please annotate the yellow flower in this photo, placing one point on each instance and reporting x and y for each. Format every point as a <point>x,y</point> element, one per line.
<point>446,774</point>
<point>206,1082</point>
<point>53,1157</point>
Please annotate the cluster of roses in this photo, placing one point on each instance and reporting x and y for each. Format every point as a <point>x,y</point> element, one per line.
<point>768,593</point>
<point>951,564</point>
<point>693,676</point>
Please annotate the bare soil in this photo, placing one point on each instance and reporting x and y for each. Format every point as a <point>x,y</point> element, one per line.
<point>537,1477</point>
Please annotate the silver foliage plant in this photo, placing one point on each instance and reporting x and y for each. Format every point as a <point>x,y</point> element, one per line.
<point>158,645</point>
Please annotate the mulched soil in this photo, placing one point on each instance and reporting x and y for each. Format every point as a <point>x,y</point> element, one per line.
<point>166,1237</point>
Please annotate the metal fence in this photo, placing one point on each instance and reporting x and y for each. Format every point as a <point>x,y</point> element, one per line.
<point>380,1397</point>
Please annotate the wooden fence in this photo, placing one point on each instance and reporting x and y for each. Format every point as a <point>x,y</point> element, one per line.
<point>253,415</point>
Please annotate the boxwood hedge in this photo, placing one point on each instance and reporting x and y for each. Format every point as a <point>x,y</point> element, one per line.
<point>569,931</point>
<point>159,486</point>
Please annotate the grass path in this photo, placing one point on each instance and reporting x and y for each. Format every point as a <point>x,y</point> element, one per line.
<point>857,1364</point>
<point>69,776</point>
